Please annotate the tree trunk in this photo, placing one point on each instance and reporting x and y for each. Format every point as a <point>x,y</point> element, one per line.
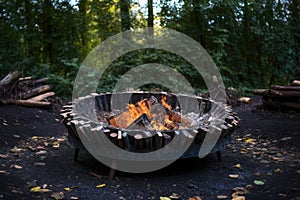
<point>125,16</point>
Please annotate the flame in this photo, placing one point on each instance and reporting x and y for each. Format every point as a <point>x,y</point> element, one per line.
<point>163,102</point>
<point>143,107</point>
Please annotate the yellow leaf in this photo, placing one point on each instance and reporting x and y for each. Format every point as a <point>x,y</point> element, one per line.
<point>101,185</point>
<point>35,189</point>
<point>238,165</point>
<point>44,190</point>
<point>55,145</point>
<point>67,189</point>
<point>164,198</point>
<point>234,175</point>
<point>249,140</point>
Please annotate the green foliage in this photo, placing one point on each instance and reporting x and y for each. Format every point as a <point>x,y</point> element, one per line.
<point>254,43</point>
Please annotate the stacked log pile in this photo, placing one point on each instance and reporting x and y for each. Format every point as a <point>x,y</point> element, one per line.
<point>25,91</point>
<point>281,97</point>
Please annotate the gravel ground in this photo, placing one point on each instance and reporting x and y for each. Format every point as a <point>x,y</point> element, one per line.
<point>262,162</point>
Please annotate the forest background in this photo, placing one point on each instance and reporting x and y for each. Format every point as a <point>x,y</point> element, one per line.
<point>254,43</point>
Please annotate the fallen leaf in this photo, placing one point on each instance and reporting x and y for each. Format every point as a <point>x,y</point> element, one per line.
<point>286,138</point>
<point>221,197</point>
<point>277,170</point>
<point>238,166</point>
<point>282,195</point>
<point>15,150</point>
<point>55,145</point>
<point>164,198</point>
<point>234,175</point>
<point>39,164</point>
<point>35,189</point>
<point>195,198</point>
<point>174,196</point>
<point>34,137</point>
<point>41,152</point>
<point>248,140</point>
<point>67,189</point>
<point>239,198</point>
<point>258,182</point>
<point>58,195</point>
<point>44,190</point>
<point>3,155</point>
<point>101,185</point>
<point>18,167</point>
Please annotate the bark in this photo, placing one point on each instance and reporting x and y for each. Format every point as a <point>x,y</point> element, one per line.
<point>9,78</point>
<point>35,91</point>
<point>28,103</point>
<point>42,96</point>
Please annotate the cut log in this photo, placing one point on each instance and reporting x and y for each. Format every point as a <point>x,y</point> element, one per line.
<point>35,91</point>
<point>30,82</point>
<point>28,103</point>
<point>284,93</point>
<point>25,78</point>
<point>42,96</point>
<point>259,91</point>
<point>296,82</point>
<point>11,76</point>
<point>285,88</point>
<point>276,93</point>
<point>245,100</point>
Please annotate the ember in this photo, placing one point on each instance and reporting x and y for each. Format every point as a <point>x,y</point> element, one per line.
<point>152,115</point>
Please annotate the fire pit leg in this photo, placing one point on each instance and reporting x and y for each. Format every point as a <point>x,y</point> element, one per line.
<point>219,156</point>
<point>112,173</point>
<point>76,153</point>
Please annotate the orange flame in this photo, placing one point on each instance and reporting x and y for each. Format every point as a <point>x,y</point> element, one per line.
<point>140,108</point>
<point>164,102</point>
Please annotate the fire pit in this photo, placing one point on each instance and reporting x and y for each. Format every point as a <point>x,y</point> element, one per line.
<point>144,122</point>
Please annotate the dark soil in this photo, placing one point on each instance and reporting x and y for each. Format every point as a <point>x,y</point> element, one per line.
<point>265,148</point>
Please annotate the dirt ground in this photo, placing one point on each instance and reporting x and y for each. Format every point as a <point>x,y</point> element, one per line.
<point>262,162</point>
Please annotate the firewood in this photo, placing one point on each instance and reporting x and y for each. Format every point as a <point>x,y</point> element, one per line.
<point>11,76</point>
<point>285,88</point>
<point>247,100</point>
<point>25,78</point>
<point>259,91</point>
<point>177,117</point>
<point>29,82</point>
<point>42,96</point>
<point>284,93</point>
<point>35,91</point>
<point>27,103</point>
<point>296,82</point>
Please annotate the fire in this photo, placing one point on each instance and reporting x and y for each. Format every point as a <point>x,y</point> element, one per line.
<point>158,115</point>
<point>164,102</point>
<point>137,110</point>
